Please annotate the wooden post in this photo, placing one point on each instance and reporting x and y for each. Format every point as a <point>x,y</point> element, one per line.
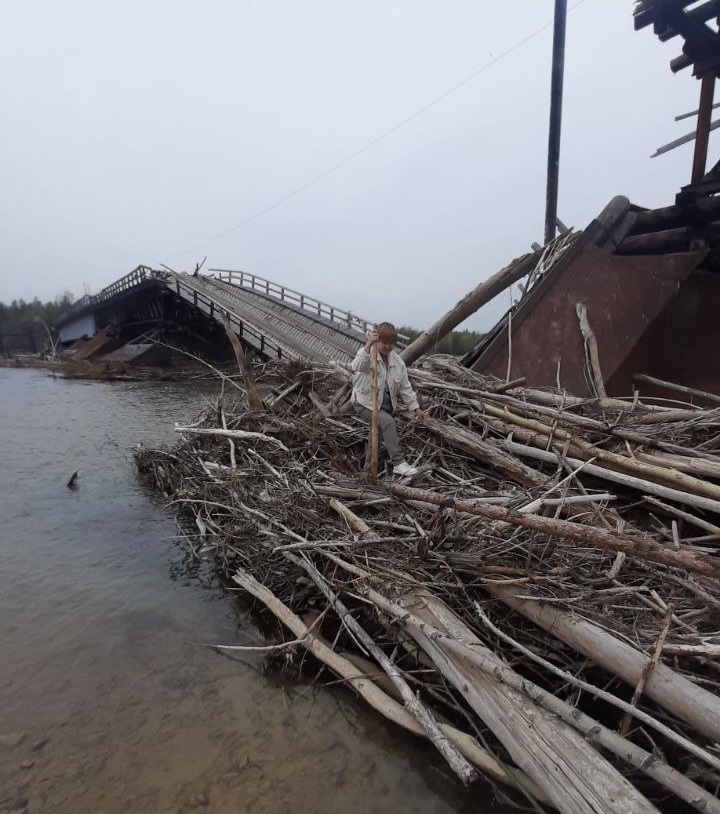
<point>254,400</point>
<point>374,418</point>
<point>707,90</point>
<point>592,355</point>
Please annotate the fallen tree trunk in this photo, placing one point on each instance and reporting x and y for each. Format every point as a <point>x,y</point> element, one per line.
<point>668,689</point>
<point>472,444</point>
<point>693,466</point>
<point>603,472</point>
<point>572,773</point>
<point>591,351</point>
<point>470,303</point>
<point>644,549</point>
<point>580,448</point>
<point>376,697</point>
<point>592,731</point>
<point>689,391</point>
<point>243,435</point>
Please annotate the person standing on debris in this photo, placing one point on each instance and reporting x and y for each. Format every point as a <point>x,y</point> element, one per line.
<point>394,390</point>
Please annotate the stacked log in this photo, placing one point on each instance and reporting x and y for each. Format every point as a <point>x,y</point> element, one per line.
<point>679,228</point>
<point>541,602</point>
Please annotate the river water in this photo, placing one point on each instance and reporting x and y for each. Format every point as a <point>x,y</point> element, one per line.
<point>108,701</point>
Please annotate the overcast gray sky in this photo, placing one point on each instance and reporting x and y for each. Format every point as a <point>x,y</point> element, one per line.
<point>154,132</point>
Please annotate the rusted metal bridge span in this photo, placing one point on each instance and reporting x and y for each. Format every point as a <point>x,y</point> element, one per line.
<point>273,320</point>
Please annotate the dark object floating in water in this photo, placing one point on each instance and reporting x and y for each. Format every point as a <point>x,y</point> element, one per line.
<point>72,483</point>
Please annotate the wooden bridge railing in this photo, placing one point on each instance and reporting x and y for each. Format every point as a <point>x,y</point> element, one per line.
<point>215,310</point>
<point>243,279</point>
<point>138,275</point>
<point>134,278</point>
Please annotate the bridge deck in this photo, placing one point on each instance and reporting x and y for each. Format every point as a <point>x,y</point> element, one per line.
<point>296,332</point>
<point>273,319</point>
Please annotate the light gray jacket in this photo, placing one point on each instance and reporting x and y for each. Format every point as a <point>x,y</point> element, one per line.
<point>394,374</point>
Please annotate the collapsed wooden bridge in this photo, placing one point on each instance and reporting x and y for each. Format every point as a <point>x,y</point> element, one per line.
<point>273,320</point>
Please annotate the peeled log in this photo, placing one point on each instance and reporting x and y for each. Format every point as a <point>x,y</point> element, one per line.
<point>596,734</point>
<point>580,448</point>
<point>612,475</point>
<point>474,445</point>
<point>697,213</point>
<point>668,689</point>
<point>558,758</point>
<point>379,700</point>
<point>469,304</point>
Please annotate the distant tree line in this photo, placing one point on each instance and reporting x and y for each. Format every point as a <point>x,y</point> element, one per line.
<point>20,312</point>
<point>456,343</point>
<point>24,325</point>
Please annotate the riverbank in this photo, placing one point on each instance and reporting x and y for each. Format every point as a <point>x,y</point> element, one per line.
<point>68,368</point>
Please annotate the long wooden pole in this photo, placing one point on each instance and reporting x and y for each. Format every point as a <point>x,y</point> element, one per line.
<point>469,304</point>
<point>690,391</point>
<point>580,448</point>
<point>556,99</point>
<point>412,703</point>
<point>374,418</point>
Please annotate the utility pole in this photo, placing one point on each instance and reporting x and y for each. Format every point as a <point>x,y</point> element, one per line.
<point>556,94</point>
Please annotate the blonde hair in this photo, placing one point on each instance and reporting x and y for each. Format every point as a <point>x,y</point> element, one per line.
<point>387,332</point>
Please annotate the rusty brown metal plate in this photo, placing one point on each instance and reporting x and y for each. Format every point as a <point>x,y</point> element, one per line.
<point>624,297</point>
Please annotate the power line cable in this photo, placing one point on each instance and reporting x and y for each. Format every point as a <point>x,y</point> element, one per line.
<point>335,167</point>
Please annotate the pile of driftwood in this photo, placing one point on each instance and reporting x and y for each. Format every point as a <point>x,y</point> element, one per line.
<point>542,601</point>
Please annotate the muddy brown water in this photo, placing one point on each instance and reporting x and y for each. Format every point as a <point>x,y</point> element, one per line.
<point>108,703</point>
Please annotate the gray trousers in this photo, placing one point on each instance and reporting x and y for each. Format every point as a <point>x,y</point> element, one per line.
<point>387,432</point>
